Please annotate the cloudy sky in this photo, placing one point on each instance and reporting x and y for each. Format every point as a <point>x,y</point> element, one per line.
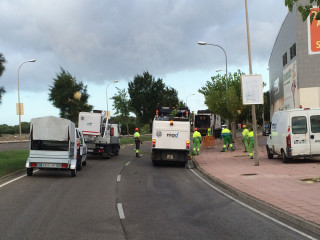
<point>101,41</point>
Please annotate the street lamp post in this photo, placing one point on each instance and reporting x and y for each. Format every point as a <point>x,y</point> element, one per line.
<point>225,54</point>
<point>204,43</point>
<point>192,94</point>
<point>115,81</point>
<point>254,118</point>
<point>19,104</point>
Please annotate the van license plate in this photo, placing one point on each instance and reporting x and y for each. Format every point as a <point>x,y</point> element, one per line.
<point>49,165</point>
<point>170,156</point>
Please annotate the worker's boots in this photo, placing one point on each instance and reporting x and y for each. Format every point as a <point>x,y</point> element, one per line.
<point>138,155</point>
<point>232,149</point>
<point>223,150</point>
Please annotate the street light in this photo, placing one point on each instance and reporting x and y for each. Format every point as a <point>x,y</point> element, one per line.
<point>115,81</point>
<point>19,105</point>
<point>192,94</point>
<point>204,43</point>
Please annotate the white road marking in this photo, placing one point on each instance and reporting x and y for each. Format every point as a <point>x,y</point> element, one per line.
<point>4,184</point>
<point>253,209</point>
<point>120,210</point>
<point>128,163</point>
<point>119,178</point>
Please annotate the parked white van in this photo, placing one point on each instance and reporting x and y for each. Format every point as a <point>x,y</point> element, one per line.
<point>55,143</point>
<point>294,134</point>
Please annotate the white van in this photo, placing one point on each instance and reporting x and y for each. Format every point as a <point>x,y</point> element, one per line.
<point>294,133</point>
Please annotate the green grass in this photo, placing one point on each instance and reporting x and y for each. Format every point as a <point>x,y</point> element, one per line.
<point>12,161</point>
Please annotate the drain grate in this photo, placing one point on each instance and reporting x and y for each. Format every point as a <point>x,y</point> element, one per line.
<point>249,174</point>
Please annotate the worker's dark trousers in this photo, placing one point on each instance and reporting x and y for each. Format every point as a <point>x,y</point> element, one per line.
<point>137,147</point>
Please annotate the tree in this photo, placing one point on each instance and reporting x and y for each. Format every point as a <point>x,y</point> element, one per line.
<point>222,101</point>
<point>2,69</point>
<point>121,105</point>
<point>69,96</point>
<point>146,94</point>
<point>305,10</point>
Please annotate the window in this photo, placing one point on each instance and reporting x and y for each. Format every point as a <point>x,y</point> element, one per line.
<point>299,125</point>
<point>284,59</point>
<point>293,51</point>
<point>315,123</point>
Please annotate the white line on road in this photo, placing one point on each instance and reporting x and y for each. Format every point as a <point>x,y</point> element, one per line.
<point>128,163</point>
<point>120,210</point>
<point>253,209</point>
<point>15,179</point>
<point>119,178</point>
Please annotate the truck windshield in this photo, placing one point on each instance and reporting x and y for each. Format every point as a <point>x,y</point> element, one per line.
<point>202,121</point>
<point>167,114</point>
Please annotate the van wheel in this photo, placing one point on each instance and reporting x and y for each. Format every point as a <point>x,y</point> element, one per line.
<point>73,172</point>
<point>270,154</point>
<point>29,171</point>
<point>285,159</point>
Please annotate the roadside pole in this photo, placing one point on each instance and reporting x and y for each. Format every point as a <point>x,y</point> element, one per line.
<point>254,119</point>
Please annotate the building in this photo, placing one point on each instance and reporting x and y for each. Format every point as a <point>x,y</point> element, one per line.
<point>294,64</point>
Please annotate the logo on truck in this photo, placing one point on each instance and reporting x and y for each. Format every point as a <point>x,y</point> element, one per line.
<point>173,135</point>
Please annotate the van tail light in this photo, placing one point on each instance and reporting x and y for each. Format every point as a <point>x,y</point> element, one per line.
<point>112,132</point>
<point>64,165</point>
<point>187,113</point>
<point>157,113</point>
<point>33,164</point>
<point>188,145</point>
<point>78,144</point>
<point>153,142</point>
<point>171,122</point>
<point>288,139</point>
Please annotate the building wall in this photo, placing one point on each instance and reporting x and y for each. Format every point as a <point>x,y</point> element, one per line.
<point>308,65</point>
<point>286,38</point>
<point>309,97</point>
<point>294,30</point>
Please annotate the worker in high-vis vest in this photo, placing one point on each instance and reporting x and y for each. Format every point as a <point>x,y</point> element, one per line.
<point>209,131</point>
<point>196,137</point>
<point>251,143</point>
<point>227,138</point>
<point>137,140</point>
<point>245,138</point>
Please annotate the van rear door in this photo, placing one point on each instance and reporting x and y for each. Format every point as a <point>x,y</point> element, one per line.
<point>300,133</point>
<point>314,116</point>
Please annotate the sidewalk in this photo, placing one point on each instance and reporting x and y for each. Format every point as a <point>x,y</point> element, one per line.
<point>275,185</point>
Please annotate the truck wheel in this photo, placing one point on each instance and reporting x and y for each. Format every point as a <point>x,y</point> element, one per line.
<point>155,163</point>
<point>270,155</point>
<point>285,159</point>
<point>29,171</point>
<point>73,172</point>
<point>84,163</point>
<point>79,165</point>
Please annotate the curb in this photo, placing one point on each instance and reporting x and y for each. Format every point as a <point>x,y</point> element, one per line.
<point>277,213</point>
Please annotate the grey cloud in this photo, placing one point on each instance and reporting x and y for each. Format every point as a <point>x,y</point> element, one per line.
<point>102,40</point>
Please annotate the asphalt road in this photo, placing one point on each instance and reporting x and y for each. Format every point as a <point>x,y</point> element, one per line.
<point>126,198</point>
<point>14,146</point>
